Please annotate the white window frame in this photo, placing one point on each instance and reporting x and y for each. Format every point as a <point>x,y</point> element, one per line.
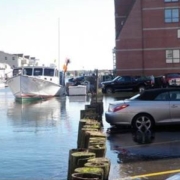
<point>173,56</point>
<point>171,0</point>
<point>170,15</point>
<point>178,33</point>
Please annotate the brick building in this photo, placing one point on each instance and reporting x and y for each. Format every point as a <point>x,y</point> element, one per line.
<point>147,37</point>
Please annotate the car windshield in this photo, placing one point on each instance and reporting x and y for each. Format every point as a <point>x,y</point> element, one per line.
<point>117,77</point>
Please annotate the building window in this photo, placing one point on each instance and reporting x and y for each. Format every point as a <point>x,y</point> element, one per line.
<point>171,0</point>
<point>178,33</point>
<point>173,56</point>
<point>13,58</point>
<point>5,58</point>
<point>171,15</point>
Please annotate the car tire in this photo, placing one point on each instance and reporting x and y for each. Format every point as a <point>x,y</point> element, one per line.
<point>143,122</point>
<point>109,90</point>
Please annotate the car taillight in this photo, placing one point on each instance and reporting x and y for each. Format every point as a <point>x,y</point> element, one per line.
<point>118,108</point>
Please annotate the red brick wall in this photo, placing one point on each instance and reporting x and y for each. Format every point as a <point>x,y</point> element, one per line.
<point>144,39</point>
<point>129,43</point>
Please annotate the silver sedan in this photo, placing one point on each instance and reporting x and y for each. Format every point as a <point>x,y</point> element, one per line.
<point>151,107</point>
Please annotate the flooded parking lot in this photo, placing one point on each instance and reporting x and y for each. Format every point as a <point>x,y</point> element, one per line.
<point>36,137</point>
<point>145,155</point>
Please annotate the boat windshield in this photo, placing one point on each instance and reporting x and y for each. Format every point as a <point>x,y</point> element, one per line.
<point>35,71</point>
<point>17,71</point>
<point>38,72</point>
<point>48,72</point>
<point>27,71</point>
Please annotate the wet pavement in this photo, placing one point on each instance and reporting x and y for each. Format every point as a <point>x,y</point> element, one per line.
<point>145,155</point>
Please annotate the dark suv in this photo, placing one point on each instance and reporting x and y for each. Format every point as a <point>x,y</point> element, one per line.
<point>124,83</point>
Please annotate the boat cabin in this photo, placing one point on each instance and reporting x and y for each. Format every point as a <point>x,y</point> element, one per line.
<point>36,71</point>
<point>45,73</point>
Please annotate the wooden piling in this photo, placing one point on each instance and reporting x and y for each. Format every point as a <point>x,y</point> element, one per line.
<point>96,140</point>
<point>78,159</point>
<point>92,134</point>
<point>97,108</point>
<point>88,162</point>
<point>88,114</point>
<point>85,176</point>
<point>101,159</point>
<point>82,137</point>
<point>103,165</point>
<point>97,98</point>
<point>70,160</point>
<point>84,123</point>
<point>90,170</point>
<point>98,149</point>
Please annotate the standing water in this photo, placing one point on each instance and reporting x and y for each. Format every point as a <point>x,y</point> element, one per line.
<point>36,137</point>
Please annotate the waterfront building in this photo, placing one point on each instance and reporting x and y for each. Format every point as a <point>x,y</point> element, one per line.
<point>9,61</point>
<point>147,37</point>
<point>26,60</point>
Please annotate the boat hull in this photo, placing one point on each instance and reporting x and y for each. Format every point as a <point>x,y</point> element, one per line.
<point>32,87</point>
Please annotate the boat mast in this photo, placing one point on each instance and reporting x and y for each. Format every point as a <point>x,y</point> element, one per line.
<point>58,44</point>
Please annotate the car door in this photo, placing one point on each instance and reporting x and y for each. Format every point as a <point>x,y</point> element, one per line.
<point>159,108</point>
<point>175,105</point>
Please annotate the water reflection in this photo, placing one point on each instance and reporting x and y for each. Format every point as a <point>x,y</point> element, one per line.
<point>37,136</point>
<point>133,146</point>
<point>143,136</point>
<point>37,114</point>
<point>138,152</point>
<point>78,98</point>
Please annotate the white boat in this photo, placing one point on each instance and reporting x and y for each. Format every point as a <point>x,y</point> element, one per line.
<point>35,82</point>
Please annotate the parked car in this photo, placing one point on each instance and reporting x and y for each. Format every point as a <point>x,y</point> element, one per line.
<point>124,83</point>
<point>147,109</point>
<point>172,79</point>
<point>160,82</point>
<point>76,80</point>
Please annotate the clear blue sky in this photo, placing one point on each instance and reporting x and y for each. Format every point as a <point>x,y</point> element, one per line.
<point>86,33</point>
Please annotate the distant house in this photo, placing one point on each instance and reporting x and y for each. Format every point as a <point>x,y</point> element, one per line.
<point>17,60</point>
<point>9,61</point>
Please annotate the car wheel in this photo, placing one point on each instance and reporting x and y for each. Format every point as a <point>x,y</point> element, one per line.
<point>109,90</point>
<point>141,89</point>
<point>143,122</point>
